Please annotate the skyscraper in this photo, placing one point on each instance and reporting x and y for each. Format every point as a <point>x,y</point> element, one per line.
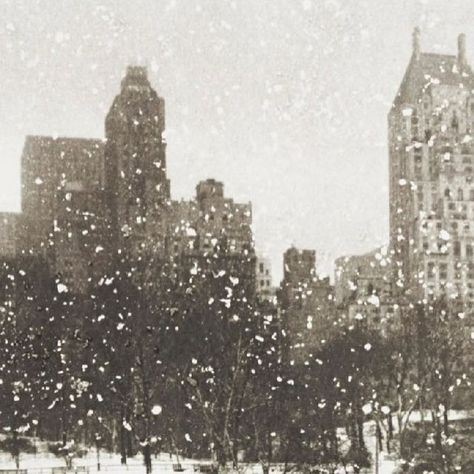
<point>135,159</point>
<point>431,155</point>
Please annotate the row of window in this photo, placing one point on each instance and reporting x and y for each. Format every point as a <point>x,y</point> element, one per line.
<point>456,248</point>
<point>459,195</point>
<point>443,272</point>
<point>439,226</point>
<point>467,295</point>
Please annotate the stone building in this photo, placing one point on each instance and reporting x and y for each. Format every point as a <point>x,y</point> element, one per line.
<point>363,289</point>
<point>431,155</point>
<point>209,223</point>
<point>64,216</point>
<point>51,167</point>
<point>307,303</point>
<point>136,182</point>
<point>211,235</point>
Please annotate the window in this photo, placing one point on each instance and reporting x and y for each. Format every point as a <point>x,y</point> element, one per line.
<point>460,195</point>
<point>431,270</point>
<point>447,193</point>
<point>414,125</point>
<point>469,252</point>
<point>420,198</point>
<point>261,268</point>
<point>457,248</point>
<point>443,271</point>
<point>470,271</point>
<point>455,122</point>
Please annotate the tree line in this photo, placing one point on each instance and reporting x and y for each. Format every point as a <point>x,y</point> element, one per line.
<point>181,357</point>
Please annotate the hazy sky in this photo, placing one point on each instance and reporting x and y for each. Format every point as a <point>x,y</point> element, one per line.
<point>283,100</point>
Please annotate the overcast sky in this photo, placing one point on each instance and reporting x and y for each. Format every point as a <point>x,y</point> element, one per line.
<point>283,100</point>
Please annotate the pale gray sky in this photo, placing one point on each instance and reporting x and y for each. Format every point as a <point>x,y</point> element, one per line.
<point>283,100</point>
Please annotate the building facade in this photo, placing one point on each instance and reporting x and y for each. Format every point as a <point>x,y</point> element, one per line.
<point>264,283</point>
<point>431,168</point>
<point>307,304</point>
<point>8,233</point>
<point>363,289</point>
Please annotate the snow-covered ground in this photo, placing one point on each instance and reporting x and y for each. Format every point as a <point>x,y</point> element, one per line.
<point>387,464</point>
<point>43,462</point>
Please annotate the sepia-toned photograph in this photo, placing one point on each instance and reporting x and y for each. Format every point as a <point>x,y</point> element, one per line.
<point>236,236</point>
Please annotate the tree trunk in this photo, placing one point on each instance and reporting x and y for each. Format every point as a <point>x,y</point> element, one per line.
<point>360,432</point>
<point>123,444</point>
<point>16,450</point>
<point>147,457</point>
<point>379,436</point>
<point>390,426</point>
<point>437,426</point>
<point>445,418</point>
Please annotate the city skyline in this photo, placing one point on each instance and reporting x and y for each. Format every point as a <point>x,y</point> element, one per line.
<point>342,187</point>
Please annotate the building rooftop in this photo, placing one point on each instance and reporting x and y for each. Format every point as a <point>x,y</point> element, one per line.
<point>426,69</point>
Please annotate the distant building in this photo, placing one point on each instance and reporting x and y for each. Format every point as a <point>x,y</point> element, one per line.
<point>265,289</point>
<point>363,288</point>
<point>307,303</point>
<point>431,125</point>
<point>8,232</point>
<point>136,182</point>
<point>49,166</point>
<point>210,223</point>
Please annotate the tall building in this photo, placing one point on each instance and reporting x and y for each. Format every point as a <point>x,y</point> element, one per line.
<point>307,303</point>
<point>431,155</point>
<point>64,217</point>
<point>136,183</point>
<point>51,167</point>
